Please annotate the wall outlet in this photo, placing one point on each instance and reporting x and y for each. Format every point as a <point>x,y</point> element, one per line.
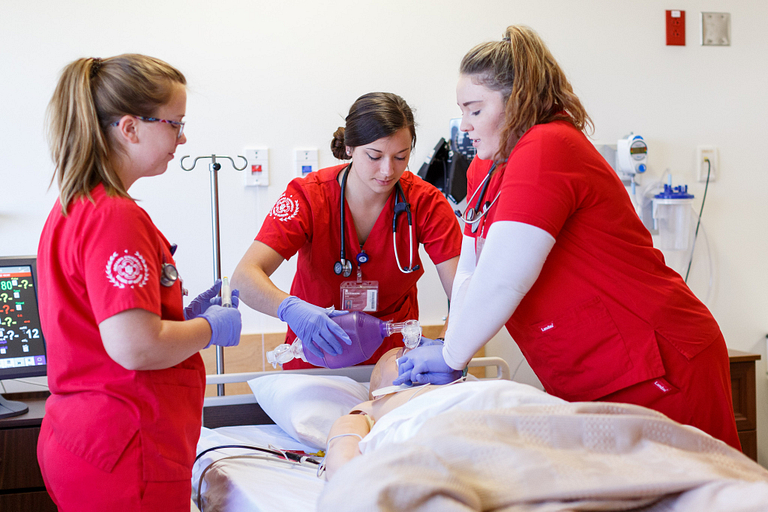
<point>257,171</point>
<point>675,28</point>
<point>306,161</point>
<point>707,162</point>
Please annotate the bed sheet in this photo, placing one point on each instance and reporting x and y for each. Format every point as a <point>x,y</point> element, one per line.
<point>508,447</point>
<point>240,480</point>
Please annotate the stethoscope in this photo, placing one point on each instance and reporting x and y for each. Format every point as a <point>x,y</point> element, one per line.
<point>344,266</point>
<point>168,273</point>
<point>472,215</point>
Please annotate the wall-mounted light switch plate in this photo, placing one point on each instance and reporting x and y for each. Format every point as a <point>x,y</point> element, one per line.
<point>716,29</point>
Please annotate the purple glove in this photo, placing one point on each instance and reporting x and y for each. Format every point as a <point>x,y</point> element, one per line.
<point>425,342</point>
<point>202,302</point>
<point>225,325</point>
<point>313,326</point>
<point>424,365</point>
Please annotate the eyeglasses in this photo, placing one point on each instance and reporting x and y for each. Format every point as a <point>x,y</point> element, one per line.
<point>175,124</point>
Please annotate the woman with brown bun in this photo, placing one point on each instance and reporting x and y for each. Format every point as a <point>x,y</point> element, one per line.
<point>356,228</point>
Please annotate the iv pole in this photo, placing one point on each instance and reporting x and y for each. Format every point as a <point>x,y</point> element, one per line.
<point>214,168</point>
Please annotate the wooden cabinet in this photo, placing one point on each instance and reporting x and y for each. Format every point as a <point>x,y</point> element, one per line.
<point>745,399</point>
<point>21,484</point>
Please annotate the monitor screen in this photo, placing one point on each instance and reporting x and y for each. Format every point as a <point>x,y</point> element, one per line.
<point>446,169</point>
<point>22,345</point>
<point>461,141</point>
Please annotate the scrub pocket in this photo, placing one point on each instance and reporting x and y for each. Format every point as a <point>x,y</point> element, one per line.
<point>580,355</point>
<point>94,426</point>
<point>171,429</point>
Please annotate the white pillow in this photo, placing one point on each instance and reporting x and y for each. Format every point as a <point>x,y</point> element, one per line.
<point>305,406</point>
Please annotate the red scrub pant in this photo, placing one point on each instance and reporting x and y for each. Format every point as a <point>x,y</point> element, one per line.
<point>76,485</point>
<point>694,391</point>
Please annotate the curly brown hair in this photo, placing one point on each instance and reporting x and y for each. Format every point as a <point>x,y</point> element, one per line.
<point>534,87</point>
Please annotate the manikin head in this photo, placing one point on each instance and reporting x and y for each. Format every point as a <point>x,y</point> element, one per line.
<point>385,370</point>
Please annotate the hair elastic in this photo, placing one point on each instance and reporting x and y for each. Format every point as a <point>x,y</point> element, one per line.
<point>95,66</point>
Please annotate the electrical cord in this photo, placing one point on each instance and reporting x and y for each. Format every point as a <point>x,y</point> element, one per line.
<point>199,501</point>
<point>698,224</point>
<point>517,368</point>
<point>296,457</point>
<point>288,457</point>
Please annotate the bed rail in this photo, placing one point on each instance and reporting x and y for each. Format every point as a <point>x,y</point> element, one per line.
<point>229,410</point>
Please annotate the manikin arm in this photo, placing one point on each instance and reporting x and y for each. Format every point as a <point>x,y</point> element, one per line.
<point>343,440</point>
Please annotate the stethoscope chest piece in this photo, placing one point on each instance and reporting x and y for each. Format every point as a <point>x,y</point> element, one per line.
<point>169,275</point>
<point>343,267</point>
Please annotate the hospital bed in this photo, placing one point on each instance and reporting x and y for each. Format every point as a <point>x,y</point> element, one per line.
<point>303,405</point>
<point>492,445</point>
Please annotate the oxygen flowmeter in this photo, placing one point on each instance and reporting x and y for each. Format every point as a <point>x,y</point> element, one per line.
<point>631,155</point>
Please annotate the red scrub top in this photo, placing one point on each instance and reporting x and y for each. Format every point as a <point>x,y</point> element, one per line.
<point>589,325</point>
<point>306,220</point>
<point>105,257</point>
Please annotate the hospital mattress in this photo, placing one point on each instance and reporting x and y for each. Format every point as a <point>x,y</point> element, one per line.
<point>288,410</point>
<point>244,480</point>
<point>494,445</point>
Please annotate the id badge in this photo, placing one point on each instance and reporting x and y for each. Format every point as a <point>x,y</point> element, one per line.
<point>360,295</point>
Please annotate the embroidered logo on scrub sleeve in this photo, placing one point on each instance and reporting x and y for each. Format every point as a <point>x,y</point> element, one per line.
<point>127,270</point>
<point>285,208</point>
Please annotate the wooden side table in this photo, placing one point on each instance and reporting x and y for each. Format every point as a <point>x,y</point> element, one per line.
<point>745,399</point>
<point>21,484</point>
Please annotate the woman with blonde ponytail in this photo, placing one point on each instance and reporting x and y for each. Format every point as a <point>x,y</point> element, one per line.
<point>126,379</point>
<point>554,250</point>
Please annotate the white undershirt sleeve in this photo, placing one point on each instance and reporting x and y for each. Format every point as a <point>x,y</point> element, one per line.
<point>465,268</point>
<point>512,258</point>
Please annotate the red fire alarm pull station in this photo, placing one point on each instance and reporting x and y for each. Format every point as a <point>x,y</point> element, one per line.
<point>675,28</point>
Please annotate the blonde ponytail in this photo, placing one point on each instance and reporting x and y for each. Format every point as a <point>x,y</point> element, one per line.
<point>91,94</point>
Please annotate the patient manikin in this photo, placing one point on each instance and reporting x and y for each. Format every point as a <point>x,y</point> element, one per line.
<point>349,430</point>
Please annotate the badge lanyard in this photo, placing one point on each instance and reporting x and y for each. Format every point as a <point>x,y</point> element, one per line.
<point>362,295</point>
<point>344,266</point>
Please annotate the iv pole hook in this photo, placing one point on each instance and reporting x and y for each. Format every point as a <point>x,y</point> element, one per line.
<point>213,159</point>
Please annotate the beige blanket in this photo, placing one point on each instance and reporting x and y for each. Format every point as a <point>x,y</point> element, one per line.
<point>550,457</point>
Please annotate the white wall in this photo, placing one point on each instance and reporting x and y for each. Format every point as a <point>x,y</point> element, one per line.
<point>283,74</point>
